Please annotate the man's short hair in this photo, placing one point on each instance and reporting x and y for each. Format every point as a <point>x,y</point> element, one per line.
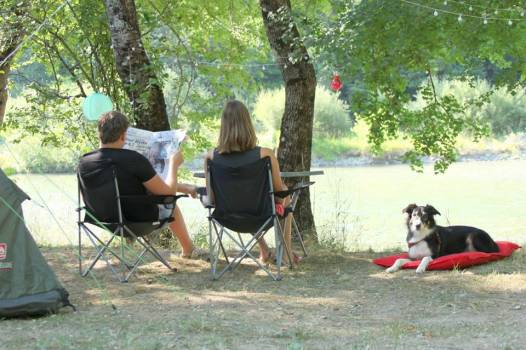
<point>111,126</point>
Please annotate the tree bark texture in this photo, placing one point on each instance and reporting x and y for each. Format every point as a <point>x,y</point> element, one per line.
<point>12,32</point>
<point>4,71</point>
<point>134,67</point>
<point>294,152</point>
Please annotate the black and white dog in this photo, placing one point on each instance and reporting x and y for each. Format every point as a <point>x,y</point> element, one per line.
<point>427,241</point>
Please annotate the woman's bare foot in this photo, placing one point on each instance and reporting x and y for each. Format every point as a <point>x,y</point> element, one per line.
<point>266,256</point>
<point>296,259</point>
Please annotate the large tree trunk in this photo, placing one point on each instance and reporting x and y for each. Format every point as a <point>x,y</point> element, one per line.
<point>133,65</point>
<point>294,152</point>
<point>4,71</point>
<point>12,32</point>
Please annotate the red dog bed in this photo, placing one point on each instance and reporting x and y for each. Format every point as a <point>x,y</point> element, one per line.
<point>452,261</point>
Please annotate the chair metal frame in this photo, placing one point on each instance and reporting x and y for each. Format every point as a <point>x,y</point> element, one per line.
<point>122,229</point>
<point>216,232</point>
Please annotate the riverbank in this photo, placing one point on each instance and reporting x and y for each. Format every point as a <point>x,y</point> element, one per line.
<point>352,151</point>
<point>395,158</point>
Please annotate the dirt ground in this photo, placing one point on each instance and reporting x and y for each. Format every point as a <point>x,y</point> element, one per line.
<point>333,301</point>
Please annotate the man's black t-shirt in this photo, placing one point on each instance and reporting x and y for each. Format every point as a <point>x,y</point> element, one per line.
<point>132,170</point>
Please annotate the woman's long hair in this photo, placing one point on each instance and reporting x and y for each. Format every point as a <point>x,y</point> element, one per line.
<point>237,133</point>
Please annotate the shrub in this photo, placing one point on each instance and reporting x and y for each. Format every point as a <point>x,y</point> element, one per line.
<point>331,115</point>
<point>29,156</point>
<point>505,111</point>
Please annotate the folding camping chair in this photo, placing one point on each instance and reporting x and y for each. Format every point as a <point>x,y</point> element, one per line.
<point>103,208</point>
<point>241,200</point>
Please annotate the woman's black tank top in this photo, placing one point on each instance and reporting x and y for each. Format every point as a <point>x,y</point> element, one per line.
<point>236,159</point>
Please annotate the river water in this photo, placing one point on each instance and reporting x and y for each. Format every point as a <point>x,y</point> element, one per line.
<point>359,207</point>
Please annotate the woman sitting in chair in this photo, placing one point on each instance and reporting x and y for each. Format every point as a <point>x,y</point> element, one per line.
<point>237,146</point>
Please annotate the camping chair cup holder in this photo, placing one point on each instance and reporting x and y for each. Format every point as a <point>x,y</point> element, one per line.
<point>103,208</point>
<point>244,202</point>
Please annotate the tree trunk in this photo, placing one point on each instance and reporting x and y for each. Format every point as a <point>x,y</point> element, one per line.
<point>12,32</point>
<point>136,72</point>
<point>4,71</point>
<point>294,152</point>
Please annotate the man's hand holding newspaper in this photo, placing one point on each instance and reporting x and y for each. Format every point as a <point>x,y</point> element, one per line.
<point>157,147</point>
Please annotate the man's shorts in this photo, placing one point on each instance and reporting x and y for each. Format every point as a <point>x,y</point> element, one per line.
<point>164,213</point>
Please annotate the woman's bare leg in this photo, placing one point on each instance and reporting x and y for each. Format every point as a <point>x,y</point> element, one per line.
<point>264,250</point>
<point>287,233</point>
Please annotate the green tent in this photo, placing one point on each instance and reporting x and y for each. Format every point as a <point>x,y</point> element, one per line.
<point>28,286</point>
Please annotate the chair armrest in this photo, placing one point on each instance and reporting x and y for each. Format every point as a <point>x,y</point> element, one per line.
<point>295,188</point>
<point>153,198</point>
<point>201,191</point>
<point>203,197</point>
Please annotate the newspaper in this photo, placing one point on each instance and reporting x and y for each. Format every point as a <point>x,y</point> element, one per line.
<point>157,146</point>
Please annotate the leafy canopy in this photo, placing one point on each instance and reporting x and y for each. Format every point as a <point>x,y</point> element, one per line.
<point>197,49</point>
<point>385,45</point>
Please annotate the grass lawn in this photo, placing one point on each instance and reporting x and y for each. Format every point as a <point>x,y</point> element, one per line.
<point>333,301</point>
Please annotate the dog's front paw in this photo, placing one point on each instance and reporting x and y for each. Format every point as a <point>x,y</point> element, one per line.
<point>391,269</point>
<point>420,270</point>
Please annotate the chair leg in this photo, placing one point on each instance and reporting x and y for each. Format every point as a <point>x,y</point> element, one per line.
<point>220,235</point>
<point>123,264</point>
<point>246,251</point>
<point>135,265</point>
<point>80,246</point>
<point>100,254</point>
<point>215,246</point>
<point>299,236</point>
<point>149,248</point>
<point>219,248</point>
<point>127,269</point>
<point>286,249</point>
<point>156,253</point>
<point>278,238</point>
<point>106,245</point>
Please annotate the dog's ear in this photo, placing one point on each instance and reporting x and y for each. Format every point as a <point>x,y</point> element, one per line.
<point>409,209</point>
<point>430,210</point>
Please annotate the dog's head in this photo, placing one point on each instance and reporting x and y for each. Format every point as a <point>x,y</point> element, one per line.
<point>420,221</point>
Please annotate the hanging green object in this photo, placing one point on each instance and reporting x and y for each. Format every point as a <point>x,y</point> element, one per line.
<point>96,104</point>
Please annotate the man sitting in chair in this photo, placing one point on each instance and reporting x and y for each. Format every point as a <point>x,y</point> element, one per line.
<point>136,176</point>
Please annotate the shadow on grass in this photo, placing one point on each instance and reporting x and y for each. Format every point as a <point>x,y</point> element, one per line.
<point>333,300</point>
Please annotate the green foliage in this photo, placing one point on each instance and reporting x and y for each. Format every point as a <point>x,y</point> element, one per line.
<point>383,44</point>
<point>331,148</point>
<point>72,50</point>
<point>267,113</point>
<point>331,115</point>
<point>202,64</point>
<point>382,49</point>
<point>356,144</point>
<point>29,156</point>
<point>74,56</point>
<point>504,111</point>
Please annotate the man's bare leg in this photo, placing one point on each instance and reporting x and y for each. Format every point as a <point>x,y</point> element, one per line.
<point>180,231</point>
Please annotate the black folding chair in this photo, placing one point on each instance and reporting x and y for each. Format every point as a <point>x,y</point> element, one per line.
<point>242,201</point>
<point>103,208</point>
